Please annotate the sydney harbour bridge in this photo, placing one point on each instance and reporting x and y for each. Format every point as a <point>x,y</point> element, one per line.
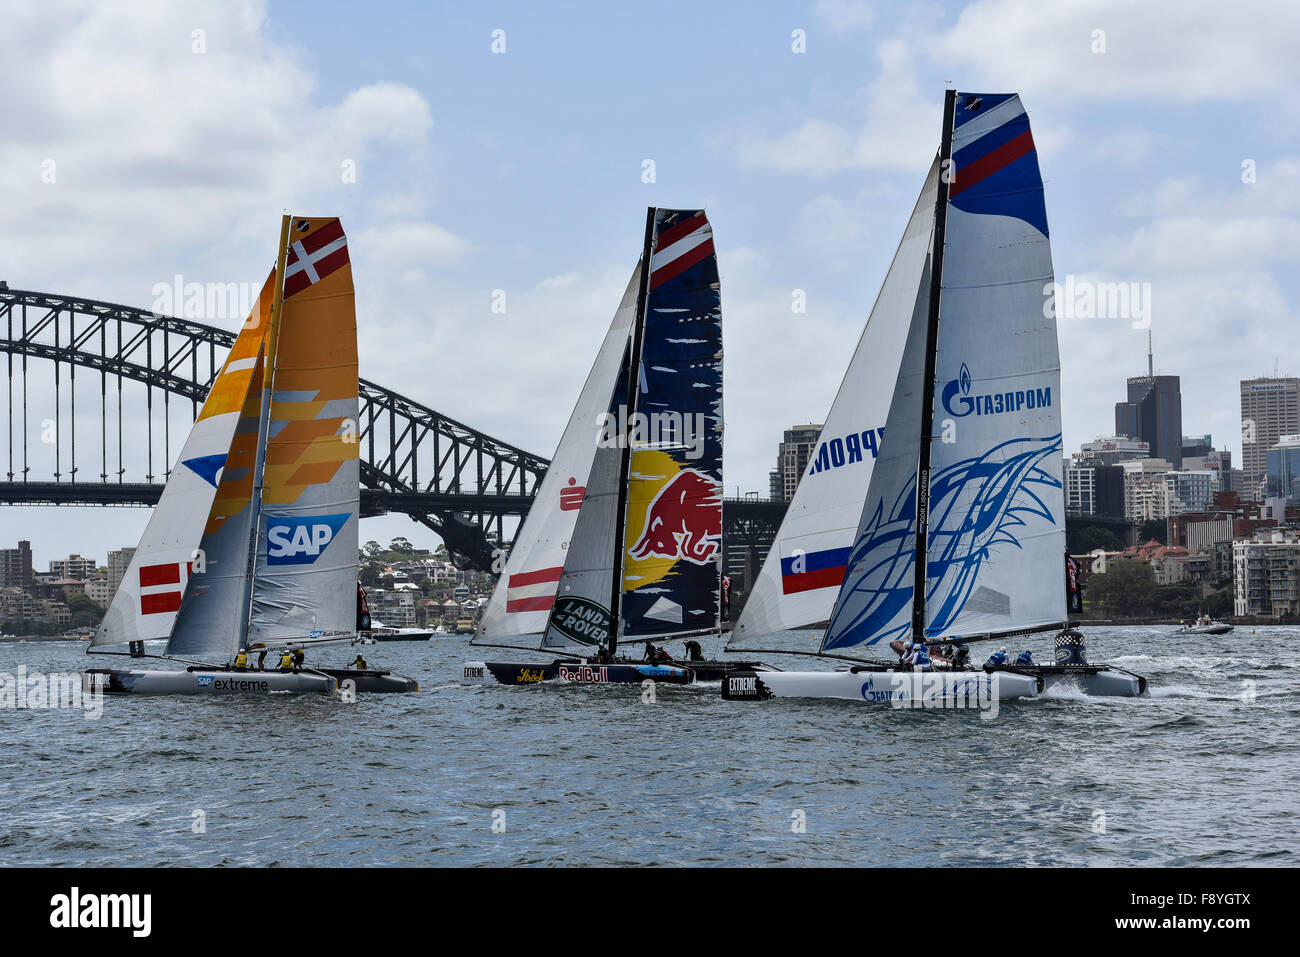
<point>101,397</point>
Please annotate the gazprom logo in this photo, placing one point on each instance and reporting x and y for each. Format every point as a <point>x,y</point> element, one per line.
<point>958,401</point>
<point>299,541</point>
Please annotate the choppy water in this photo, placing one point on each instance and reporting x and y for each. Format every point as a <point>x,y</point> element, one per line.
<point>1192,775</point>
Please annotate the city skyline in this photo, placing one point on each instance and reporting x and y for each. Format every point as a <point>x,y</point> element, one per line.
<point>1166,157</point>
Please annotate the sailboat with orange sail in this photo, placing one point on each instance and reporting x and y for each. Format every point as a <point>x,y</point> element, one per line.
<point>252,547</point>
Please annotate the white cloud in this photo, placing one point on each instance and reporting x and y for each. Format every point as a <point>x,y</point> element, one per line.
<point>1199,51</point>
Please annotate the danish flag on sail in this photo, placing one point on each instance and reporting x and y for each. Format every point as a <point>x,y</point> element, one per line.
<point>532,591</point>
<point>162,586</point>
<point>679,247</point>
<point>313,258</point>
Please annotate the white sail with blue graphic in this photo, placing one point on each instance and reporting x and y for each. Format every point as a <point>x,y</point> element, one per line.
<point>993,519</point>
<point>801,576</point>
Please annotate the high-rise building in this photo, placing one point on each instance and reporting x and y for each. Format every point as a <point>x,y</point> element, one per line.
<point>16,566</point>
<point>1154,414</point>
<point>1111,451</point>
<point>118,562</point>
<point>1094,490</point>
<point>74,566</point>
<point>1270,409</point>
<point>1283,470</point>
<point>792,459</point>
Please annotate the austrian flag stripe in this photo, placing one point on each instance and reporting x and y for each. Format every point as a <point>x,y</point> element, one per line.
<point>532,591</point>
<point>679,247</point>
<point>312,259</point>
<point>162,586</point>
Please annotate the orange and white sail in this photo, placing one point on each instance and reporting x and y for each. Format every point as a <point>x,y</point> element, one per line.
<point>168,556</point>
<point>305,580</point>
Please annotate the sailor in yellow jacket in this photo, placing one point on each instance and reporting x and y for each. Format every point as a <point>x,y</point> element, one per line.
<point>241,660</point>
<point>286,660</point>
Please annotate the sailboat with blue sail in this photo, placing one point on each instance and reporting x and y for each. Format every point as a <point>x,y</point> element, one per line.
<point>960,536</point>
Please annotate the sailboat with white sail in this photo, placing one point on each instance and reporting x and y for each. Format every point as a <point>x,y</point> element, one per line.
<point>623,543</point>
<point>959,531</point>
<point>253,544</point>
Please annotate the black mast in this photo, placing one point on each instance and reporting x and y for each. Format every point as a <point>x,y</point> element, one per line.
<point>625,457</point>
<point>928,381</point>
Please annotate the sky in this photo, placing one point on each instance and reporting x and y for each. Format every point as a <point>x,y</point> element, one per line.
<point>479,148</point>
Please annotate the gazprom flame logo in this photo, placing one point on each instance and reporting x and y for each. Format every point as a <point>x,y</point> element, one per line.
<point>300,541</point>
<point>959,402</point>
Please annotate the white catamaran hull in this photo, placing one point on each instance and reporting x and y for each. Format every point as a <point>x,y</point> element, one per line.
<point>936,689</point>
<point>1102,683</point>
<point>209,682</point>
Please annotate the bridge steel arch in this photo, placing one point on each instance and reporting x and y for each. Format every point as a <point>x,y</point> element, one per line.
<point>455,480</point>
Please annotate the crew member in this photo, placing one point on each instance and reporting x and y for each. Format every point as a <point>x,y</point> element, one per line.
<point>286,660</point>
<point>602,656</point>
<point>261,661</point>
<point>241,660</point>
<point>961,657</point>
<point>694,652</point>
<point>359,662</point>
<point>998,657</point>
<point>299,656</point>
<point>1024,658</point>
<point>651,653</point>
<point>920,659</point>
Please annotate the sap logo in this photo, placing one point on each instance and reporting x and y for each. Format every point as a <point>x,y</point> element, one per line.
<point>205,680</point>
<point>299,541</point>
<point>854,447</point>
<point>993,403</point>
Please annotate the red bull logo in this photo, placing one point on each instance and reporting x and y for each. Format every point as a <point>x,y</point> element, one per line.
<point>683,521</point>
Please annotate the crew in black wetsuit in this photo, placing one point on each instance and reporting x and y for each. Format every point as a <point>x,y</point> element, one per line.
<point>961,657</point>
<point>694,652</point>
<point>602,656</point>
<point>261,661</point>
<point>299,656</point>
<point>651,653</point>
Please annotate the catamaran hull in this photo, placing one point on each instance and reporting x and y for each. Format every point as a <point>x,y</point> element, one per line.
<point>570,672</point>
<point>898,688</point>
<point>195,681</point>
<point>372,682</point>
<point>1099,681</point>
<point>718,670</point>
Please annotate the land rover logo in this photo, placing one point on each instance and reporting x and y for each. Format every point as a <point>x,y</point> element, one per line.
<point>581,620</point>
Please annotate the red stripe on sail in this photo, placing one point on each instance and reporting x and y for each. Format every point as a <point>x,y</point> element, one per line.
<point>536,578</point>
<point>679,231</point>
<point>324,236</point>
<point>984,167</point>
<point>809,581</point>
<point>681,263</point>
<point>151,575</point>
<point>541,603</point>
<point>166,601</point>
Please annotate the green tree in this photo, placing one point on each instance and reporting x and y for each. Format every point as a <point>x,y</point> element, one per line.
<point>1157,528</point>
<point>84,611</point>
<point>1086,538</point>
<point>401,546</point>
<point>1125,589</point>
<point>371,548</point>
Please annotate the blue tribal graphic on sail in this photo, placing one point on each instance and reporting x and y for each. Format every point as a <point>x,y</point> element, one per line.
<point>976,505</point>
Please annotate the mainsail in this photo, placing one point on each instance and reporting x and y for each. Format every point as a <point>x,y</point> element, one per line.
<point>977,484</point>
<point>306,571</point>
<point>524,594</point>
<point>672,547</point>
<point>802,573</point>
<point>640,558</point>
<point>150,595</point>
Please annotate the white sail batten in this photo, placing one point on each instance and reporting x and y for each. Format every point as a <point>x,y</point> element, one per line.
<point>522,600</point>
<point>802,573</point>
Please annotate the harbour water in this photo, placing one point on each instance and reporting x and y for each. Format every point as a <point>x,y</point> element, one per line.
<point>1201,772</point>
